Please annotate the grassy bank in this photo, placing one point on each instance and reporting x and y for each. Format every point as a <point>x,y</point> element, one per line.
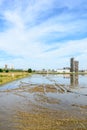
<point>11,76</point>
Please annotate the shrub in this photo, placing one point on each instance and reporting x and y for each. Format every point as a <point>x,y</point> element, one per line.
<point>29,70</point>
<point>6,71</point>
<point>1,70</point>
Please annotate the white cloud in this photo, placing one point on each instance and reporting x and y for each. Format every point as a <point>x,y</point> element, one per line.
<point>26,38</point>
<point>14,19</point>
<point>1,1</point>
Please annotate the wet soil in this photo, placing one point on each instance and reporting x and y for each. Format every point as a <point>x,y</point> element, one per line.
<point>32,106</point>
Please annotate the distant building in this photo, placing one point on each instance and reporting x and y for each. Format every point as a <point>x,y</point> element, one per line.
<point>64,70</point>
<point>74,65</point>
<point>6,66</point>
<point>85,71</point>
<point>12,67</point>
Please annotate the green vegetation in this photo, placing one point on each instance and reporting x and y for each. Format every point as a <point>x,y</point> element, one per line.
<point>6,71</point>
<point>10,76</point>
<point>29,70</point>
<point>7,75</point>
<point>1,70</point>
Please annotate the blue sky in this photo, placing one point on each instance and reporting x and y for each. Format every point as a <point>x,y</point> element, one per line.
<point>41,34</point>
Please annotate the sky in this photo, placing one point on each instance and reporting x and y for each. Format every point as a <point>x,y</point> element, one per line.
<point>41,34</point>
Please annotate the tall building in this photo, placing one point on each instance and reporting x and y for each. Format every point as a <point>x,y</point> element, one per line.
<point>74,65</point>
<point>6,67</point>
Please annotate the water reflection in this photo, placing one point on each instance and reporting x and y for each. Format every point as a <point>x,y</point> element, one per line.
<point>74,80</point>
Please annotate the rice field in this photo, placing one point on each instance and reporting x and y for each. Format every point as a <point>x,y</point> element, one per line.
<point>8,77</point>
<point>44,102</point>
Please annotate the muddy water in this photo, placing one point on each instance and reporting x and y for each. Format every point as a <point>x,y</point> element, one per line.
<point>43,102</point>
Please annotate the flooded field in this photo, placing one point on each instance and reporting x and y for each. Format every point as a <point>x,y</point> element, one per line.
<point>44,102</point>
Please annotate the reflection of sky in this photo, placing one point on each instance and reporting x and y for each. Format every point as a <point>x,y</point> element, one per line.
<point>60,79</point>
<point>63,100</point>
<point>50,79</point>
<point>83,80</point>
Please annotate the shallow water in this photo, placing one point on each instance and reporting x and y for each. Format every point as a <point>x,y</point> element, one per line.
<point>66,93</point>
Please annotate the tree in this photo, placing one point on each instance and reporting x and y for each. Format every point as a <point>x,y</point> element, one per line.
<point>6,71</point>
<point>1,70</point>
<point>29,70</point>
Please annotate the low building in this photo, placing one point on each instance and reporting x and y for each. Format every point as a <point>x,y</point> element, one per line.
<point>85,71</point>
<point>64,70</point>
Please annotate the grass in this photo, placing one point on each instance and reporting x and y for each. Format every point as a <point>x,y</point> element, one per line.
<point>11,76</point>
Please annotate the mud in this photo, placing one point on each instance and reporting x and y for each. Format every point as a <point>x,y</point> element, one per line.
<point>32,105</point>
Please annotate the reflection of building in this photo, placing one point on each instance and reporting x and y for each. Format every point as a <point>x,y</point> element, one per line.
<point>74,80</point>
<point>74,65</point>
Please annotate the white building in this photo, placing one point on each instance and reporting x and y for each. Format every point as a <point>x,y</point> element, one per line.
<point>65,70</point>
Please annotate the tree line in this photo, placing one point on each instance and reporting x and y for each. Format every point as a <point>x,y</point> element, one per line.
<point>15,70</point>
